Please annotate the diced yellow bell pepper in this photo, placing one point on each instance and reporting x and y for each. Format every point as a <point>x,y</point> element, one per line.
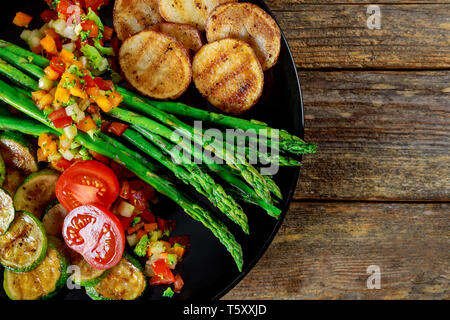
<point>103,103</point>
<point>49,45</point>
<point>51,74</point>
<point>62,95</point>
<point>66,56</point>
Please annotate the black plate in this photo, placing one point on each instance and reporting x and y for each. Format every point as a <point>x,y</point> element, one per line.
<point>208,270</point>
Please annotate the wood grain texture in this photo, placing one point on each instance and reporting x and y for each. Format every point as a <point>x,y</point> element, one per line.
<point>323,250</point>
<point>413,36</point>
<point>380,136</point>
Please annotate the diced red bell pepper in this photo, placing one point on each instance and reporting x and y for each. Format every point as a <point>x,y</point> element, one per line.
<point>100,157</point>
<point>63,163</point>
<point>166,225</point>
<point>107,33</point>
<point>89,25</point>
<point>163,275</point>
<point>117,128</point>
<point>60,113</point>
<point>134,229</point>
<point>62,122</point>
<point>185,241</point>
<point>126,222</point>
<point>94,4</point>
<point>47,15</point>
<point>104,84</point>
<point>138,200</point>
<point>115,44</point>
<point>178,284</point>
<point>58,65</point>
<point>63,7</point>
<point>148,216</point>
<point>88,81</point>
<point>125,190</point>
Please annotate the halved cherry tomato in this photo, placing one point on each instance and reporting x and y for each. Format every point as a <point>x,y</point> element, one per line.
<point>138,200</point>
<point>63,164</point>
<point>139,185</point>
<point>87,182</point>
<point>117,128</point>
<point>163,275</point>
<point>63,122</point>
<point>96,234</point>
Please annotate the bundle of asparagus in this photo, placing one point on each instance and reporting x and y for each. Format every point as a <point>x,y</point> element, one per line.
<point>152,127</point>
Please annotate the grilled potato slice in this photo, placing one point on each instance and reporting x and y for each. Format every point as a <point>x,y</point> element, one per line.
<point>228,73</point>
<point>132,16</point>
<point>188,35</point>
<point>193,12</point>
<point>249,23</point>
<point>156,64</point>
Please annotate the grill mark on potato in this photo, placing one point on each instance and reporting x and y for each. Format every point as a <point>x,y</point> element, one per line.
<point>227,77</point>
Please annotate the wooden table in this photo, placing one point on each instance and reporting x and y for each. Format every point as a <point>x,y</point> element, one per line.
<point>377,103</point>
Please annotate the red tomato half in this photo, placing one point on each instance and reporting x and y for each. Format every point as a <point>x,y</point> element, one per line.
<point>163,275</point>
<point>96,234</point>
<point>87,182</point>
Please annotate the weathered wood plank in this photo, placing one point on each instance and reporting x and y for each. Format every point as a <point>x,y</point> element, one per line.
<point>337,36</point>
<point>381,136</point>
<point>323,250</point>
<point>287,5</point>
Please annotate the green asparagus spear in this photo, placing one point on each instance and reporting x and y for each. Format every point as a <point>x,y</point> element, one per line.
<point>16,99</point>
<point>192,174</point>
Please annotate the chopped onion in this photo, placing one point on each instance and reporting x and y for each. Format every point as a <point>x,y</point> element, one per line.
<point>35,39</point>
<point>68,155</point>
<point>75,112</point>
<point>78,29</point>
<point>45,83</point>
<point>125,209</point>
<point>64,142</point>
<point>84,61</point>
<point>69,46</point>
<point>104,65</point>
<point>132,239</point>
<point>25,35</point>
<point>70,131</point>
<point>59,25</point>
<point>84,104</point>
<point>148,266</point>
<point>43,28</point>
<point>54,157</point>
<point>69,32</point>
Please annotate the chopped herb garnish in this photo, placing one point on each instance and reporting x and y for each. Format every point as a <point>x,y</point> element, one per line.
<point>168,293</point>
<point>135,221</point>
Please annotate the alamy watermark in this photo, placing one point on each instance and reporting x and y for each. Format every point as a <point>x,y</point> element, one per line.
<point>374,280</point>
<point>232,146</point>
<point>374,20</point>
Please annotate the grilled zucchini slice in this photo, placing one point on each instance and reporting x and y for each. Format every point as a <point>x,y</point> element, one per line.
<point>125,281</point>
<point>36,192</point>
<point>89,276</point>
<point>24,245</point>
<point>53,218</point>
<point>43,282</point>
<point>6,211</point>
<point>18,152</point>
<point>13,180</point>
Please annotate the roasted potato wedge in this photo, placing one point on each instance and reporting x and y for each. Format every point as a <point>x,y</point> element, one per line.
<point>132,16</point>
<point>249,23</point>
<point>188,35</point>
<point>193,12</point>
<point>156,64</point>
<point>228,73</point>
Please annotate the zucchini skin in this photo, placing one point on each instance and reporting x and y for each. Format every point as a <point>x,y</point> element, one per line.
<point>44,246</point>
<point>93,282</point>
<point>57,245</point>
<point>94,295</point>
<point>19,202</point>
<point>30,163</point>
<point>64,263</point>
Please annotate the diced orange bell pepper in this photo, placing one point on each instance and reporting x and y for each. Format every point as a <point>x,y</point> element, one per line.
<point>150,227</point>
<point>51,74</point>
<point>49,45</point>
<point>179,251</point>
<point>140,233</point>
<point>103,103</point>
<point>37,95</point>
<point>44,139</point>
<point>78,92</point>
<point>107,33</point>
<point>66,56</point>
<point>93,92</point>
<point>86,124</point>
<point>22,19</point>
<point>50,148</point>
<point>62,95</point>
<point>45,101</point>
<point>115,98</point>
<point>40,155</point>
